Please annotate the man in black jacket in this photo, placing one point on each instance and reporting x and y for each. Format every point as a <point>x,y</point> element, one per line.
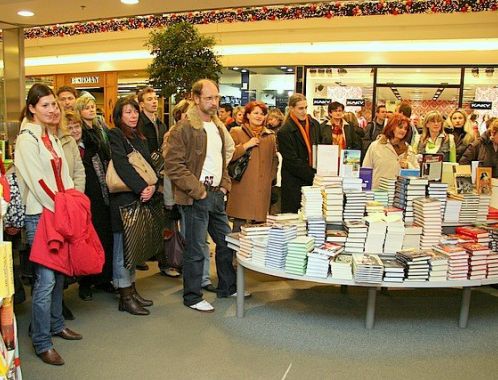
<point>375,127</point>
<point>149,124</point>
<point>337,131</point>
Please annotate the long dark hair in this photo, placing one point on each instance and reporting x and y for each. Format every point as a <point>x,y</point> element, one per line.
<point>35,93</point>
<point>117,115</point>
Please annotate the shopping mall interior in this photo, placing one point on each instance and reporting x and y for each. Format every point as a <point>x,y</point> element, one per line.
<point>442,56</point>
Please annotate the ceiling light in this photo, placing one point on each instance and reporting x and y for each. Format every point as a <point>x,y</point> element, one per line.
<point>243,71</point>
<point>489,71</point>
<point>130,2</point>
<point>475,72</point>
<point>290,69</point>
<point>25,13</point>
<point>235,68</point>
<point>283,67</point>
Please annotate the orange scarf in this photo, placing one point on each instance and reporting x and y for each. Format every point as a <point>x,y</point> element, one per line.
<point>305,132</point>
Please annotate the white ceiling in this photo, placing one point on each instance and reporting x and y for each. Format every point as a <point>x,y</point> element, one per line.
<point>57,12</point>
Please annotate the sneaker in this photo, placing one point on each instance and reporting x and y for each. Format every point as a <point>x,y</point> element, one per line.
<point>203,306</point>
<point>170,272</point>
<point>246,294</point>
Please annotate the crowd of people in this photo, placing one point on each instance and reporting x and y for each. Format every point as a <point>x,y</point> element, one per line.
<point>63,144</point>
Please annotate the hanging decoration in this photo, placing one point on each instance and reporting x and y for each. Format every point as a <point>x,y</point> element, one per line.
<point>327,10</point>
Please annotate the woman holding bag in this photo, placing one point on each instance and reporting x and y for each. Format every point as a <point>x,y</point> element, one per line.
<point>124,139</point>
<point>249,199</point>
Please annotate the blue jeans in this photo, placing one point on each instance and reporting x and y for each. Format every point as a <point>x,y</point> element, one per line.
<point>121,277</point>
<point>206,215</point>
<point>46,311</point>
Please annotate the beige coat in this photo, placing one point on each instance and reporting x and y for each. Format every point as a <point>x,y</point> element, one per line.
<point>73,159</point>
<point>385,161</point>
<point>250,198</point>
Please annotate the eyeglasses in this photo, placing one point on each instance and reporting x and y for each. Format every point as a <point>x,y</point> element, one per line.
<point>211,98</point>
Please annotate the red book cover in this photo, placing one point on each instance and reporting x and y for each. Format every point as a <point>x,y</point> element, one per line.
<point>475,247</point>
<point>474,232</point>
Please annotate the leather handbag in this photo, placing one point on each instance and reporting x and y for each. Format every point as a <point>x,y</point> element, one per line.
<point>143,168</point>
<point>174,245</point>
<point>237,168</point>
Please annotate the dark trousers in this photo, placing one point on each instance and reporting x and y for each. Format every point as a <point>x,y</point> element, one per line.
<point>206,215</point>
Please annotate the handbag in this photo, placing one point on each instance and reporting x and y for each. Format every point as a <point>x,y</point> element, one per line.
<point>174,245</point>
<point>139,163</point>
<point>143,225</point>
<point>237,168</point>
<point>157,162</point>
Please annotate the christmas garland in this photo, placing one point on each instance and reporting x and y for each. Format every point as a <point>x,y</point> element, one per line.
<point>327,10</point>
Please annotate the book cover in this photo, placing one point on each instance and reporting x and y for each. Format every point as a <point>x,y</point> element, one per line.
<point>350,163</point>
<point>432,166</point>
<point>327,160</point>
<point>366,175</point>
<point>463,184</point>
<point>483,180</point>
<point>409,173</point>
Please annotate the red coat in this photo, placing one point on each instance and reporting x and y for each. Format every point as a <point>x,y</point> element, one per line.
<point>65,240</point>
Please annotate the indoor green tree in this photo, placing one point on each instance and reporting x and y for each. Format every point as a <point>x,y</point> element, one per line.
<point>181,57</point>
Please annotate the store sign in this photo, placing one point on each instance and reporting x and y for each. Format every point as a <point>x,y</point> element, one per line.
<point>355,102</point>
<point>85,80</point>
<point>479,105</point>
<point>321,101</point>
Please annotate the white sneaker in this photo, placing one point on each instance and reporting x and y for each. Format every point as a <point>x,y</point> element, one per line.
<point>203,306</point>
<point>246,294</point>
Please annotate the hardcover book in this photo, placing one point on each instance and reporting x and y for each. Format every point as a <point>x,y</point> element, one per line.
<point>432,166</point>
<point>483,180</point>
<point>350,163</point>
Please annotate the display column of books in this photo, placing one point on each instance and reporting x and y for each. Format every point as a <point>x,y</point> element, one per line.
<point>9,349</point>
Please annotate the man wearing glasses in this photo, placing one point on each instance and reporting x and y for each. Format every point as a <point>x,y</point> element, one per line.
<point>195,161</point>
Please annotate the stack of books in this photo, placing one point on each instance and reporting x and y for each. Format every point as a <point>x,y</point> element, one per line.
<point>492,261</point>
<point>246,245</point>
<point>278,238</point>
<point>438,190</point>
<point>394,236</point>
<point>259,248</point>
<point>438,266</point>
<point>493,235</point>
<point>316,228</point>
<point>311,201</point>
<point>394,271</point>
<point>297,254</point>
<point>326,180</point>
<point>333,200</point>
<point>458,265</point>
<point>352,184</point>
<point>483,207</point>
<point>249,233</point>
<point>289,219</point>
<point>412,237</point>
<point>469,208</point>
<point>367,268</point>
<point>493,212</point>
<point>427,213</point>
<point>319,259</point>
<point>376,234</point>
<point>354,207</point>
<point>337,236</point>
<point>452,210</point>
<point>357,234</point>
<point>406,190</point>
<point>374,208</point>
<point>233,241</point>
<point>389,185</point>
<point>394,211</point>
<point>478,260</point>
<point>477,234</point>
<point>381,196</point>
<point>416,264</point>
<point>341,267</point>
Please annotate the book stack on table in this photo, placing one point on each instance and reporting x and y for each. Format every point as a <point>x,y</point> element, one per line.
<point>389,185</point>
<point>381,196</point>
<point>319,259</point>
<point>297,254</point>
<point>376,234</point>
<point>341,267</point>
<point>311,201</point>
<point>458,260</point>
<point>374,208</point>
<point>452,210</point>
<point>406,190</point>
<point>439,190</point>
<point>483,207</point>
<point>394,271</point>
<point>333,200</point>
<point>278,239</point>
<point>316,228</point>
<point>412,237</point>
<point>476,234</point>
<point>248,235</point>
<point>354,206</point>
<point>478,260</point>
<point>416,263</point>
<point>438,266</point>
<point>428,216</point>
<point>337,236</point>
<point>289,219</point>
<point>357,234</point>
<point>395,236</point>
<point>367,268</point>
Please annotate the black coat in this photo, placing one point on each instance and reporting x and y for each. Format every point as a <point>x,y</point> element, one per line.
<point>353,135</point>
<point>481,150</point>
<point>296,170</point>
<point>146,126</point>
<point>120,148</point>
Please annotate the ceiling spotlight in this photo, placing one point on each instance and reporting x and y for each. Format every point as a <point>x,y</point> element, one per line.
<point>489,71</point>
<point>475,72</point>
<point>25,13</point>
<point>283,67</point>
<point>341,71</point>
<point>235,68</point>
<point>130,2</point>
<point>290,69</point>
<point>243,71</point>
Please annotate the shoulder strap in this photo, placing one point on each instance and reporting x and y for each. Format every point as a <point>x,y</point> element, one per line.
<point>28,131</point>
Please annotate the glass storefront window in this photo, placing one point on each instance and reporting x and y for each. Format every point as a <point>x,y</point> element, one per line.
<point>352,87</point>
<point>480,93</point>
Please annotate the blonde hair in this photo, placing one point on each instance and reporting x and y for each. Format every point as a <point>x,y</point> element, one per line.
<point>276,113</point>
<point>467,127</point>
<point>351,119</point>
<point>494,126</point>
<point>69,117</point>
<point>181,107</point>
<point>80,105</point>
<point>293,100</point>
<point>432,116</point>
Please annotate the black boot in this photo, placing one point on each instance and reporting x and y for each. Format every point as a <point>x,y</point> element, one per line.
<point>66,313</point>
<point>141,301</point>
<point>129,304</point>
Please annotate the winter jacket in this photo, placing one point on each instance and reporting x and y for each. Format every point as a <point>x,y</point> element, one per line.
<point>73,159</point>
<point>250,198</point>
<point>482,150</point>
<point>65,240</point>
<point>385,161</point>
<point>296,169</point>
<point>352,136</point>
<point>33,164</point>
<point>184,154</point>
<point>444,144</point>
<point>154,138</point>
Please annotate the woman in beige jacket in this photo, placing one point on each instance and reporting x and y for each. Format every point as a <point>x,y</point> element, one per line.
<point>391,152</point>
<point>249,199</point>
